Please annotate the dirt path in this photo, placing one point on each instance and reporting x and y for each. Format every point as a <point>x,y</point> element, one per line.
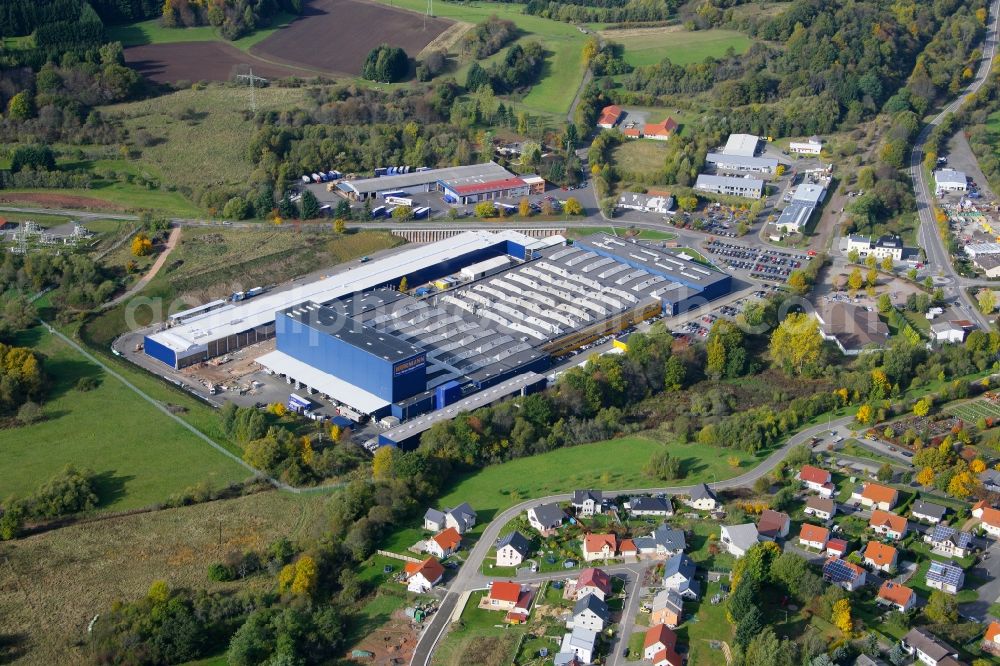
<point>175,234</point>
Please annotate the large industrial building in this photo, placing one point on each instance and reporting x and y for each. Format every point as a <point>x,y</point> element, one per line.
<point>461,184</point>
<point>751,188</point>
<point>504,305</point>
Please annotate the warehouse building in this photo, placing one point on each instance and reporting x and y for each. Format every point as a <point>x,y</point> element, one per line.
<point>427,180</point>
<point>811,146</point>
<point>724,162</point>
<point>490,190</point>
<point>806,198</point>
<point>744,145</point>
<point>646,203</point>
<point>950,180</point>
<point>751,188</point>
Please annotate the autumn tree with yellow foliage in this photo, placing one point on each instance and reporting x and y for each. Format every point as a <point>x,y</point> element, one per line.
<point>925,477</point>
<point>141,245</point>
<point>841,616</point>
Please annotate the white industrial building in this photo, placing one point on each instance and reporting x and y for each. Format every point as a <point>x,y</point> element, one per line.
<point>950,180</point>
<point>646,203</point>
<point>741,144</point>
<point>805,199</point>
<point>811,146</point>
<point>885,246</point>
<point>751,188</point>
<point>727,162</point>
<point>426,180</point>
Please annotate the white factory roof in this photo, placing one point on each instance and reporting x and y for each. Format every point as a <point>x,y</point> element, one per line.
<point>258,311</point>
<point>459,175</point>
<point>738,161</point>
<point>795,215</point>
<point>741,144</point>
<point>486,265</point>
<point>336,388</point>
<point>950,177</point>
<point>707,180</point>
<point>973,249</point>
<point>809,193</point>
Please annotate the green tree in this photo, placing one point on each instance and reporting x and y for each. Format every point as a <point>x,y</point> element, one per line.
<point>884,303</point>
<point>796,343</point>
<point>986,300</point>
<point>402,213</point>
<point>748,627</point>
<point>385,64</point>
<point>662,466</point>
<point>485,209</point>
<point>236,209</point>
<point>572,207</point>
<point>941,608</point>
<point>309,205</point>
<point>885,473</point>
<point>21,106</point>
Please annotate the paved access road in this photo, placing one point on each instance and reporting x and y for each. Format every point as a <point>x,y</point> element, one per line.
<point>937,254</point>
<point>470,578</point>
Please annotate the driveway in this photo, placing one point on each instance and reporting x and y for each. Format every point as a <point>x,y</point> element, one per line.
<point>988,569</point>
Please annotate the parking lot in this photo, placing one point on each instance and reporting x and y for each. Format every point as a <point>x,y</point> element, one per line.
<point>699,327</point>
<point>760,263</point>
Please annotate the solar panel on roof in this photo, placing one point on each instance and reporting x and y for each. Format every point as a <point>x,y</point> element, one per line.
<point>945,573</point>
<point>838,571</point>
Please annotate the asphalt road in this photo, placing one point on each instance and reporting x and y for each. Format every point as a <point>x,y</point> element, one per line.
<point>469,577</point>
<point>930,240</point>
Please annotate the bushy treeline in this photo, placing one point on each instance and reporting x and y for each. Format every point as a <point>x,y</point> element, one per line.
<point>974,116</point>
<point>519,69</point>
<point>386,64</point>
<point>234,18</point>
<point>68,492</point>
<point>126,11</point>
<point>21,378</point>
<point>604,11</point>
<point>488,37</point>
<point>55,26</point>
<point>82,283</point>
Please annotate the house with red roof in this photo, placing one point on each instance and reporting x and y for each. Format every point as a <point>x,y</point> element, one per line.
<point>513,187</point>
<point>880,556</point>
<point>610,115</point>
<point>444,543</point>
<point>896,595</point>
<point>593,581</point>
<point>991,641</point>
<point>889,524</point>
<point>836,547</point>
<point>773,525</point>
<point>503,596</point>
<point>660,131</point>
<point>816,479</point>
<point>599,547</point>
<point>660,646</point>
<point>813,536</point>
<point>421,577</point>
<point>632,132</point>
<point>874,495</point>
<point>988,516</point>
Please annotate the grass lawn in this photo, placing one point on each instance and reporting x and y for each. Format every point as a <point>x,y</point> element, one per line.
<point>640,155</point>
<point>126,195</point>
<point>152,32</point>
<point>682,47</point>
<point>635,645</point>
<point>706,629</point>
<point>615,463</point>
<point>141,456</point>
<point>563,69</point>
<point>481,636</point>
<point>853,448</point>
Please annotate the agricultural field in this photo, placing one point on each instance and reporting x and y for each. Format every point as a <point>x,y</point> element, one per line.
<point>640,156</point>
<point>141,456</point>
<point>57,581</point>
<point>202,61</point>
<point>336,35</point>
<point>152,32</point>
<point>648,46</point>
<point>972,411</point>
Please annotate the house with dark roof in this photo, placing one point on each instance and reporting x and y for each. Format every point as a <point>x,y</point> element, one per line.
<point>462,518</point>
<point>990,478</point>
<point>948,541</point>
<point>649,506</point>
<point>928,512</point>
<point>590,612</point>
<point>577,646</point>
<point>667,608</point>
<point>663,541</point>
<point>587,502</point>
<point>546,518</point>
<point>821,507</point>
<point>852,328</point>
<point>773,525</point>
<point>678,575</point>
<point>945,576</point>
<point>512,549</point>
<point>926,647</point>
<point>702,497</point>
<point>846,574</point>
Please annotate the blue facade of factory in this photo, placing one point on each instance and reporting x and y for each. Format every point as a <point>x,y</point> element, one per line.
<point>392,380</point>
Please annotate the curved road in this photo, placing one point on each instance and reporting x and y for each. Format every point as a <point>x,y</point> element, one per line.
<point>930,239</point>
<point>469,578</point>
<point>171,243</point>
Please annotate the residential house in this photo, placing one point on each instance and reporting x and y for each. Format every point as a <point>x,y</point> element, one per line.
<point>678,575</point>
<point>663,541</point>
<point>444,543</point>
<point>773,525</point>
<point>628,550</point>
<point>846,574</point>
<point>587,502</point>
<point>990,478</point>
<point>462,518</point>
<point>816,479</point>
<point>567,658</point>
<point>991,641</point>
<point>667,608</point>
<point>702,498</point>
<point>898,596</point>
<point>421,577</point>
<point>737,539</point>
<point>874,495</point>
<point>889,524</point>
<point>579,643</point>
<point>593,581</point>
<point>519,615</point>
<point>546,518</point>
<point>821,507</point>
<point>880,556</point>
<point>590,612</point>
<point>660,131</point>
<point>632,131</point>
<point>928,512</point>
<point>836,547</point>
<point>945,576</point>
<point>512,549</point>
<point>952,331</point>
<point>503,596</point>
<point>854,329</point>
<point>650,506</point>
<point>660,646</point>
<point>989,518</point>
<point>949,541</point>
<point>813,536</point>
<point>927,648</point>
<point>610,115</point>
<point>599,547</point>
